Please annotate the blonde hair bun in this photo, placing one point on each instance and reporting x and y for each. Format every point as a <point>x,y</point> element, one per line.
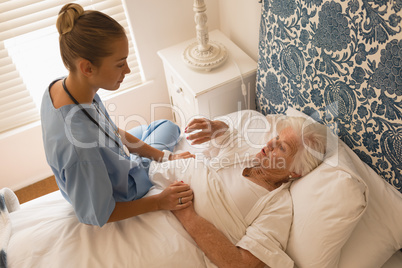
<point>86,34</point>
<point>67,17</point>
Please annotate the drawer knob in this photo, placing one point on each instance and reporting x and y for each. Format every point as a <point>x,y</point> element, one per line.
<point>179,90</point>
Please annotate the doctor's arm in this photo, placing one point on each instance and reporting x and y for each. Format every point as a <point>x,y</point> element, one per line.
<point>213,243</point>
<point>166,200</point>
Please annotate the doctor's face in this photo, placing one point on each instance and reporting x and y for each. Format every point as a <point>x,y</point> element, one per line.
<point>110,74</point>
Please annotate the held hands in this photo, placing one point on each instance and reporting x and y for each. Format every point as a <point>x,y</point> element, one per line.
<point>177,195</point>
<point>208,130</point>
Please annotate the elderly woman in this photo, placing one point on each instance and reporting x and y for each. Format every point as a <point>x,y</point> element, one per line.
<point>242,209</point>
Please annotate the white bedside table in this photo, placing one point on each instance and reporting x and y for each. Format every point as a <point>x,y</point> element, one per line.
<point>210,94</point>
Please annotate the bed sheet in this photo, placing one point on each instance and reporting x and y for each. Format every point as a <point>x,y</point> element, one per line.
<point>47,233</point>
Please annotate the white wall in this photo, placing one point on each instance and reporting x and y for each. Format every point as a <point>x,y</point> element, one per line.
<point>156,25</point>
<point>240,21</point>
<point>22,158</point>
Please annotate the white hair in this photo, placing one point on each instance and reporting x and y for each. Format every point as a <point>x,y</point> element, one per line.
<point>313,143</point>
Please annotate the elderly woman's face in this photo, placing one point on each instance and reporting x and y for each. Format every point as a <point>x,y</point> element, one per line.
<point>279,152</point>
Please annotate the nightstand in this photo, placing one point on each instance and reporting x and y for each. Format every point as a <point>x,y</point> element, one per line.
<point>210,94</point>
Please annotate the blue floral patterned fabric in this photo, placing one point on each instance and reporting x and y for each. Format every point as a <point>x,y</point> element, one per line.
<point>339,61</point>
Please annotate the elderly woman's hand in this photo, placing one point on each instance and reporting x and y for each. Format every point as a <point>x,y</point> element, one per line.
<point>181,156</point>
<point>185,214</point>
<point>207,130</point>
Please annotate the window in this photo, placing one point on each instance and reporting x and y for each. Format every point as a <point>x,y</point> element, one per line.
<point>30,57</point>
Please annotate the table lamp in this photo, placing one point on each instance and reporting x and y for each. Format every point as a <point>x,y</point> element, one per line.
<point>203,55</point>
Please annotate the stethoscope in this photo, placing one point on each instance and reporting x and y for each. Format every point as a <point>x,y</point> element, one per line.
<point>96,104</point>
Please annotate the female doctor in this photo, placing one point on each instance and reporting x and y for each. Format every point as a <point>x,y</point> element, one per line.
<point>100,169</point>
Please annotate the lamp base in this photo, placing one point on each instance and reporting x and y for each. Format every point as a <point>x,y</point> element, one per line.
<point>205,60</point>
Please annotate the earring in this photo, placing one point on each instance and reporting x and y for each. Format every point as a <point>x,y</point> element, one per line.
<point>290,177</point>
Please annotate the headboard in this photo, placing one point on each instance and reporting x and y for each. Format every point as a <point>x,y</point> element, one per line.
<point>340,62</point>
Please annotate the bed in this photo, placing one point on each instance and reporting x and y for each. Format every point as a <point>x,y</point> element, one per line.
<point>347,212</point>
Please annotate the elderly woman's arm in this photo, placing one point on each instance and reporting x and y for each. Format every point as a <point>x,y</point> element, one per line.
<point>208,130</point>
<point>213,243</point>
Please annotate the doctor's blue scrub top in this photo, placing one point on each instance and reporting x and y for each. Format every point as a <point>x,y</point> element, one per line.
<point>91,171</point>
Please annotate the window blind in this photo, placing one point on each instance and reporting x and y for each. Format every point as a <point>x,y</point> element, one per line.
<point>21,17</point>
<point>16,105</point>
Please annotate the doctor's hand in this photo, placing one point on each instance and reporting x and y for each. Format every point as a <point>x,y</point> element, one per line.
<point>207,130</point>
<point>177,195</point>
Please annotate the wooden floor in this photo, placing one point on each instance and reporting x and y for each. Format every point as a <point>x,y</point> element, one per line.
<point>37,189</point>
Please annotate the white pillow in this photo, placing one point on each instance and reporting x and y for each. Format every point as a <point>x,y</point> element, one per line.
<point>378,233</point>
<point>328,203</point>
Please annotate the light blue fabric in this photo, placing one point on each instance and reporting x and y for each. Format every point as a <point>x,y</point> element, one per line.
<point>340,62</point>
<point>91,171</point>
<point>160,134</point>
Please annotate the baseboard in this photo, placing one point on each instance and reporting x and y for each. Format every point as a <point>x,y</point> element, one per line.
<point>37,189</point>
